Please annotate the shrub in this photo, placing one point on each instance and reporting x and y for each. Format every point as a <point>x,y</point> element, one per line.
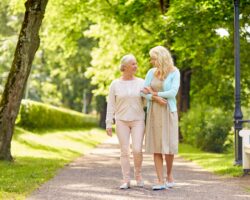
<point>206,128</point>
<point>38,115</point>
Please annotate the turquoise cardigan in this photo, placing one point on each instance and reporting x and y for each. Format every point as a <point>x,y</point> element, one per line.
<point>170,88</point>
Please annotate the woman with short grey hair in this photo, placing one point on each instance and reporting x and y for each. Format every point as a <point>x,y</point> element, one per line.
<point>125,105</point>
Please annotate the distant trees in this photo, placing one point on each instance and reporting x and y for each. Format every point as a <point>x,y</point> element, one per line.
<point>83,41</point>
<point>198,33</point>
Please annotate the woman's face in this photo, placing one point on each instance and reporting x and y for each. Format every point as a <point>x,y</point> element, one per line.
<point>131,67</point>
<point>153,60</point>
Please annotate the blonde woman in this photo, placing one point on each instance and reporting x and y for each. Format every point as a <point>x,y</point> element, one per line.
<point>161,87</point>
<point>125,105</point>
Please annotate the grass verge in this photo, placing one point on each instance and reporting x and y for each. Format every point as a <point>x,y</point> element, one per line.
<point>219,163</point>
<point>38,156</point>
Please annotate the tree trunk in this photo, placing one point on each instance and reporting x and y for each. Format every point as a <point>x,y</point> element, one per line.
<point>102,122</point>
<point>183,95</point>
<point>101,107</point>
<point>26,48</point>
<point>164,5</point>
<point>89,97</point>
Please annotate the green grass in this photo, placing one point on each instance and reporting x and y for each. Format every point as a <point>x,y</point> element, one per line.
<point>219,163</point>
<point>38,156</point>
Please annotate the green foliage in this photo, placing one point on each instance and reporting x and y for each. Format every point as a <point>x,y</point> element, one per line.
<point>191,125</point>
<point>189,28</point>
<point>131,26</point>
<point>35,115</point>
<point>206,128</point>
<point>83,41</point>
<point>63,57</point>
<point>39,155</point>
<point>57,75</point>
<point>9,25</point>
<point>194,37</point>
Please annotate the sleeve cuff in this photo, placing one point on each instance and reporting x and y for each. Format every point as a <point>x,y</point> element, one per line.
<point>159,94</point>
<point>108,124</point>
<point>149,96</point>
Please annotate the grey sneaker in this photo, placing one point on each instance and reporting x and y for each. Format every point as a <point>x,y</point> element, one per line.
<point>159,187</point>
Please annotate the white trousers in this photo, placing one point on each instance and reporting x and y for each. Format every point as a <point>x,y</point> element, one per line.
<point>123,130</point>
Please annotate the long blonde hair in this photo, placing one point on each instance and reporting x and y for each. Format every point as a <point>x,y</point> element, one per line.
<point>163,61</point>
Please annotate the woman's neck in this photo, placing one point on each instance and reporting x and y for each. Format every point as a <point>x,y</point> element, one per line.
<point>127,77</point>
<point>162,74</point>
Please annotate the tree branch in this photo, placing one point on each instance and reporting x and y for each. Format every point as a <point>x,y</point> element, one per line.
<point>145,29</point>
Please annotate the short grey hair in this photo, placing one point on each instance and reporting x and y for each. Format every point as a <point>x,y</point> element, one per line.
<point>125,60</point>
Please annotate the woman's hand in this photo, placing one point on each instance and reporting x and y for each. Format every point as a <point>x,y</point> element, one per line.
<point>109,131</point>
<point>145,90</point>
<point>148,90</point>
<point>160,100</point>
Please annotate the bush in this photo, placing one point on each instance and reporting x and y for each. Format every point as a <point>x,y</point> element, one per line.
<point>34,115</point>
<point>206,128</point>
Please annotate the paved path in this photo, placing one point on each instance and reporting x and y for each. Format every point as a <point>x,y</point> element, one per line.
<point>97,176</point>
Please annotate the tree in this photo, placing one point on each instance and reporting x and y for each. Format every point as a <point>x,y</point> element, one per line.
<point>195,28</point>
<point>26,48</point>
<point>57,76</point>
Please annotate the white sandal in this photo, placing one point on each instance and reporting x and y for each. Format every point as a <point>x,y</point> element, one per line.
<point>125,186</point>
<point>170,184</point>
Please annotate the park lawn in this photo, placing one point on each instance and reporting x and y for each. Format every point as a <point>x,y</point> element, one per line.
<point>38,156</point>
<point>218,163</point>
